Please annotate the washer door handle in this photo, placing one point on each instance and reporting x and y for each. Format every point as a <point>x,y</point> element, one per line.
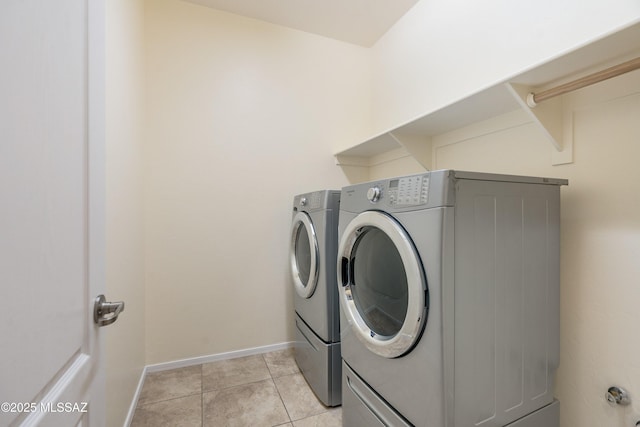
<point>344,264</point>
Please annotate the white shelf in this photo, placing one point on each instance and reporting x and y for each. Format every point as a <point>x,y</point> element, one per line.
<point>502,98</point>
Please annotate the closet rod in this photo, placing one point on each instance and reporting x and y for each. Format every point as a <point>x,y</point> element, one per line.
<point>534,98</point>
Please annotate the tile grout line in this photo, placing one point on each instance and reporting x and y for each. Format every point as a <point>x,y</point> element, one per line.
<point>166,400</point>
<point>278,391</point>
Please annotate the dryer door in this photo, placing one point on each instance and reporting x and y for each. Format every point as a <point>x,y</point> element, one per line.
<point>304,255</point>
<point>383,290</point>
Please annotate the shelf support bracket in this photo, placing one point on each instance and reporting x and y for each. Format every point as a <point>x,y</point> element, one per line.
<point>419,147</point>
<point>550,119</point>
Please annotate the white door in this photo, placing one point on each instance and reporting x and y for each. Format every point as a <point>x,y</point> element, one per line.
<point>51,211</point>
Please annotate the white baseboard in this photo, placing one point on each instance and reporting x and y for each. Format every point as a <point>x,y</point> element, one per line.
<point>216,357</point>
<point>136,396</point>
<point>182,363</point>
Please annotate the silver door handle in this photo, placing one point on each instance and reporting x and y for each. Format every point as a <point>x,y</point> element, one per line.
<point>617,396</point>
<point>105,313</point>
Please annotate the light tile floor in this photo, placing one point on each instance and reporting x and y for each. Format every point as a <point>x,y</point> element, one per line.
<point>262,390</point>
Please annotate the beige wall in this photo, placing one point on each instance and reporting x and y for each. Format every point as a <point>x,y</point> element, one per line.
<point>445,50</point>
<point>241,116</point>
<point>125,339</point>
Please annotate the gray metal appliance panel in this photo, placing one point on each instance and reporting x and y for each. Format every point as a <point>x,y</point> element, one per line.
<point>439,190</point>
<point>439,187</point>
<point>482,176</point>
<point>507,296</point>
<point>361,407</point>
<point>320,364</point>
<point>321,311</point>
<point>317,201</point>
<point>549,416</point>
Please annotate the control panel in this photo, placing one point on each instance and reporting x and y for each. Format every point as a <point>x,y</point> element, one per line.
<point>408,191</point>
<point>310,201</point>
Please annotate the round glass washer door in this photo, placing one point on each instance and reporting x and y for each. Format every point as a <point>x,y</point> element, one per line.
<point>304,255</point>
<point>383,290</point>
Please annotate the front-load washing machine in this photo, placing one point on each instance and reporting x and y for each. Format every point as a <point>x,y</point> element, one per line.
<point>313,246</point>
<point>449,297</point>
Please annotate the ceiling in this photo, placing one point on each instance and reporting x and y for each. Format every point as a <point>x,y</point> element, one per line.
<point>360,22</point>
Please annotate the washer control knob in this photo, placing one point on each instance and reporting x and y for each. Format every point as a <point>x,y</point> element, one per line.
<point>373,194</point>
<point>303,201</point>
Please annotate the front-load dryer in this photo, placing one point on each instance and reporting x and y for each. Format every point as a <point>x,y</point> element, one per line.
<point>449,295</point>
<point>313,246</point>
